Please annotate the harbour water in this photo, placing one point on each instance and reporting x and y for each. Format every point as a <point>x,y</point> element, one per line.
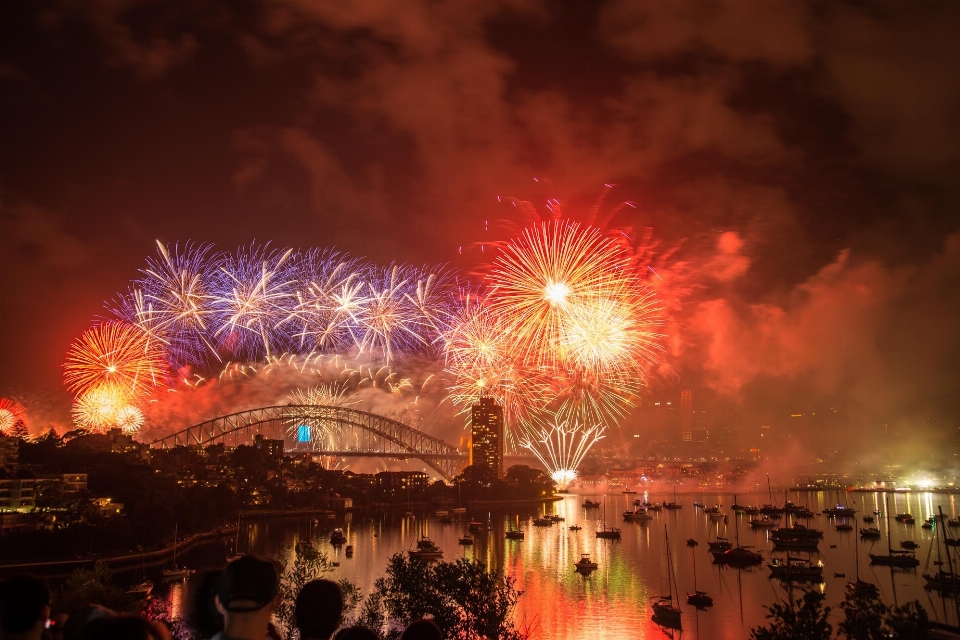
<point>615,600</point>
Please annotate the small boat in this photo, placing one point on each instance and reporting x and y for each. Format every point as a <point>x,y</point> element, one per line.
<point>927,525</point>
<point>543,522</point>
<point>466,541</point>
<point>697,505</point>
<point>795,570</point>
<point>473,526</point>
<point>514,534</point>
<point>458,510</point>
<point>870,532</point>
<point>609,533</point>
<point>584,564</point>
<point>425,543</point>
<point>903,517</point>
<point>348,551</point>
<point>426,552</point>
<point>590,504</point>
<point>638,514</point>
<point>763,523</point>
<point>868,519</point>
<point>141,590</point>
<point>720,544</point>
<point>909,545</point>
<point>953,522</point>
<point>738,557</point>
<point>575,527</point>
<point>334,564</point>
<point>844,526</point>
<point>446,520</point>
<point>629,491</point>
<point>691,542</point>
<point>337,537</point>
<point>441,513</point>
<point>554,517</point>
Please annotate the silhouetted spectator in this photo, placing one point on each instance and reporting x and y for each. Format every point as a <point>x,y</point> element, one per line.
<point>318,610</point>
<point>202,611</point>
<point>24,607</point>
<point>78,619</point>
<point>124,627</point>
<point>422,630</point>
<point>248,593</point>
<point>355,633</point>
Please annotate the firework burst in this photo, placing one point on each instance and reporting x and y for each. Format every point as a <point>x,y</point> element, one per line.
<point>561,446</point>
<point>97,408</point>
<point>254,290</point>
<point>12,413</point>
<point>551,269</point>
<point>319,425</point>
<point>117,354</point>
<point>129,419</point>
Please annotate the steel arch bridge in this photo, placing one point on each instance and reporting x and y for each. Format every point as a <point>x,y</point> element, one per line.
<point>361,433</point>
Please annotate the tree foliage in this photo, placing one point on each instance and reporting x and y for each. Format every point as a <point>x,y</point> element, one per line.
<point>801,619</point>
<point>871,619</point>
<point>309,563</point>
<point>464,599</point>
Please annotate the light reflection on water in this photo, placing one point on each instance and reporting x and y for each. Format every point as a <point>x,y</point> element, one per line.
<point>559,603</point>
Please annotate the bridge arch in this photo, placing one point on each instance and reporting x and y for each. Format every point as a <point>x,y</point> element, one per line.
<point>392,438</point>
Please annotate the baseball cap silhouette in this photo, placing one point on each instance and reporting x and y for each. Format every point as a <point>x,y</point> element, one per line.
<point>248,584</point>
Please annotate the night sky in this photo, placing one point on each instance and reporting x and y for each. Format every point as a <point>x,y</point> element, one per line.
<point>797,166</point>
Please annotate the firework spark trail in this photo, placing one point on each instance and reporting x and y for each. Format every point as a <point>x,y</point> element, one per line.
<point>561,447</point>
<point>115,353</point>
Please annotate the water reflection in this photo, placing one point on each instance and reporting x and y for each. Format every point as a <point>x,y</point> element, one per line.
<point>558,602</point>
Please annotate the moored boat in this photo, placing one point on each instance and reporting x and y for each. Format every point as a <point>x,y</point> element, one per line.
<point>584,564</point>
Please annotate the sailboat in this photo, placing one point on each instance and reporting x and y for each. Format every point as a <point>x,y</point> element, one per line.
<point>459,509</point>
<point>608,533</point>
<point>236,543</point>
<point>738,556</point>
<point>860,588</point>
<point>676,502</point>
<point>176,571</point>
<point>144,587</point>
<point>943,581</point>
<point>699,599</point>
<point>894,558</point>
<point>666,610</point>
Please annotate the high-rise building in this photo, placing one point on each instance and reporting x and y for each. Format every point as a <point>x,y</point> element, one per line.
<point>486,428</point>
<point>686,416</point>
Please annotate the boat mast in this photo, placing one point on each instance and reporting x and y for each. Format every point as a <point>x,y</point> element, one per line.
<point>953,576</point>
<point>886,506</point>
